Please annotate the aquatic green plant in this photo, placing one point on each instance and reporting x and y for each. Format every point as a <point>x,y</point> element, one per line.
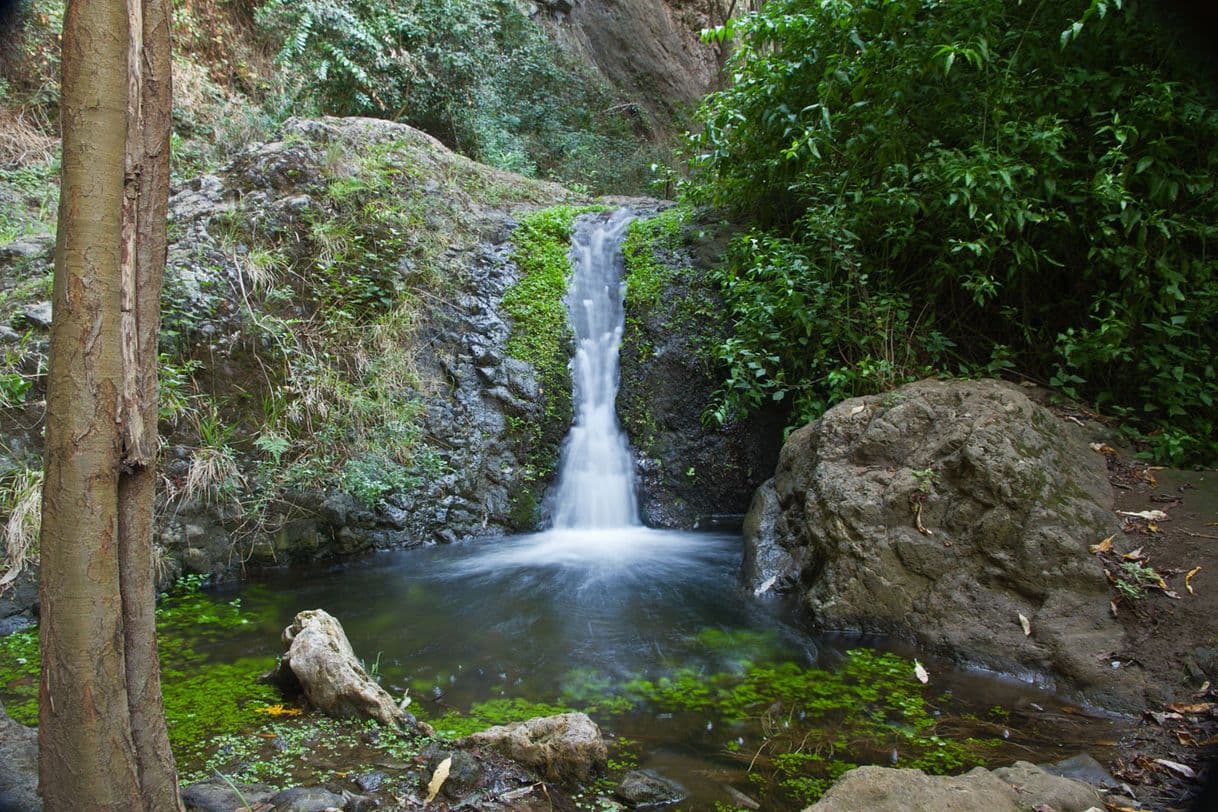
<point>798,728</point>
<point>201,698</point>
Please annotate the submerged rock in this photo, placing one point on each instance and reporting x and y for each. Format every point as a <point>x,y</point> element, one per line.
<point>217,795</point>
<point>646,788</point>
<point>322,665</point>
<point>1010,789</point>
<point>564,747</point>
<point>307,799</point>
<point>942,512</point>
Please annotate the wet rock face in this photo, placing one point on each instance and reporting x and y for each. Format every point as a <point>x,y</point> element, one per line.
<point>567,747</point>
<point>647,788</point>
<point>941,512</point>
<point>687,471</point>
<point>1009,789</point>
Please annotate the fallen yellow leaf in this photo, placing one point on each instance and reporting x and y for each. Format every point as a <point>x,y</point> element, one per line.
<point>1188,580</point>
<point>1200,707</point>
<point>438,778</point>
<point>1104,546</point>
<point>279,710</point>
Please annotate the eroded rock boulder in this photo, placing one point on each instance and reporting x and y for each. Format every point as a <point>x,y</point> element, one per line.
<point>565,747</point>
<point>321,664</point>
<point>1010,789</point>
<point>941,512</point>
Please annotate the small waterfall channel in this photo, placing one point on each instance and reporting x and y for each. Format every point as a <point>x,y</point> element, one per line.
<point>596,474</point>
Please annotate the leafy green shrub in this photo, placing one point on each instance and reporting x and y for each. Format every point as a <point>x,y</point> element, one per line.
<point>477,74</point>
<point>966,187</point>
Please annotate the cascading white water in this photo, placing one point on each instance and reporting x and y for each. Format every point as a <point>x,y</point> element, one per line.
<point>596,472</point>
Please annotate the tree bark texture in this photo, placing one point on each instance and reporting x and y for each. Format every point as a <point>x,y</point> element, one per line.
<point>102,736</point>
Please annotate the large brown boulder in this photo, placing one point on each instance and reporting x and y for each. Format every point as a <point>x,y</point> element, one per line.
<point>941,512</point>
<point>1009,789</point>
<point>565,747</point>
<point>321,664</point>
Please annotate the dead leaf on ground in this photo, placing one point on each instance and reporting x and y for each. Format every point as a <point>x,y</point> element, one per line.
<point>438,778</point>
<point>1160,718</point>
<point>1112,607</point>
<point>1136,555</point>
<point>856,410</point>
<point>921,673</point>
<point>1196,707</point>
<point>1025,624</point>
<point>1176,767</point>
<point>1103,547</point>
<point>1148,515</point>
<point>1188,580</point>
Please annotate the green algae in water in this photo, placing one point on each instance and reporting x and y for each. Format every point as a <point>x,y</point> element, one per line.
<point>304,750</point>
<point>799,728</point>
<point>202,697</point>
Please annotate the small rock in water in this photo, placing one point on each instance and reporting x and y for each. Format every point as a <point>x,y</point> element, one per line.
<point>641,788</point>
<point>1082,767</point>
<point>306,799</point>
<point>370,782</point>
<point>215,795</point>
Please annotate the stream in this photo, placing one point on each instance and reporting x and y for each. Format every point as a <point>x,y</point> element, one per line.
<point>648,630</point>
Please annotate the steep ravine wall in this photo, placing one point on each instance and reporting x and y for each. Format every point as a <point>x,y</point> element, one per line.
<point>651,50</point>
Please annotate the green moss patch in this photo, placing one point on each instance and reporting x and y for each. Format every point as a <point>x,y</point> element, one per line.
<point>541,335</point>
<point>202,698</point>
<point>482,715</point>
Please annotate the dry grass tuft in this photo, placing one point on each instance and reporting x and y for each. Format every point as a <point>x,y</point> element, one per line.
<point>24,499</point>
<point>214,477</point>
<point>26,137</point>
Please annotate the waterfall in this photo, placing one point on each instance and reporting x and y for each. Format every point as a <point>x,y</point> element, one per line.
<point>596,472</point>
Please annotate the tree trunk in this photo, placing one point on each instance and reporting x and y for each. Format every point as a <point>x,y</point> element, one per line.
<point>145,226</point>
<point>103,742</point>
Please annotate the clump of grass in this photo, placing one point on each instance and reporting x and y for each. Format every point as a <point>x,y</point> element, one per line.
<point>22,497</point>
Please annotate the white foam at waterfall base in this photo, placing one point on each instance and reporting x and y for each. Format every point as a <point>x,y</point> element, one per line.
<point>597,533</point>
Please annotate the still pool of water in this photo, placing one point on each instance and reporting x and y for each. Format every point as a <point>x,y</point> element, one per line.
<point>649,632</point>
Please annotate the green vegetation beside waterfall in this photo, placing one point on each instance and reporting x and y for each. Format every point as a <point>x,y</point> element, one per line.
<point>1021,189</point>
<point>541,335</point>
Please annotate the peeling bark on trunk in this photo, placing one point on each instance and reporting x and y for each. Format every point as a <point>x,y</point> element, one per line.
<point>148,185</point>
<point>102,735</point>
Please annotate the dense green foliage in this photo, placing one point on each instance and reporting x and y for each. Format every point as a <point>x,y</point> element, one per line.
<point>965,188</point>
<point>477,74</point>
